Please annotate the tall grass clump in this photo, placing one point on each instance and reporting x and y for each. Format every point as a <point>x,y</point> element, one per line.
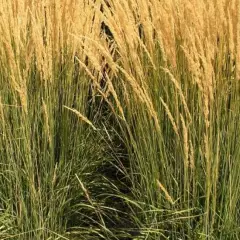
<point>177,82</point>
<point>119,119</point>
<point>50,152</point>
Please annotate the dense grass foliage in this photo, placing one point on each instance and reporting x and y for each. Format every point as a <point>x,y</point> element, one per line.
<point>119,119</point>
